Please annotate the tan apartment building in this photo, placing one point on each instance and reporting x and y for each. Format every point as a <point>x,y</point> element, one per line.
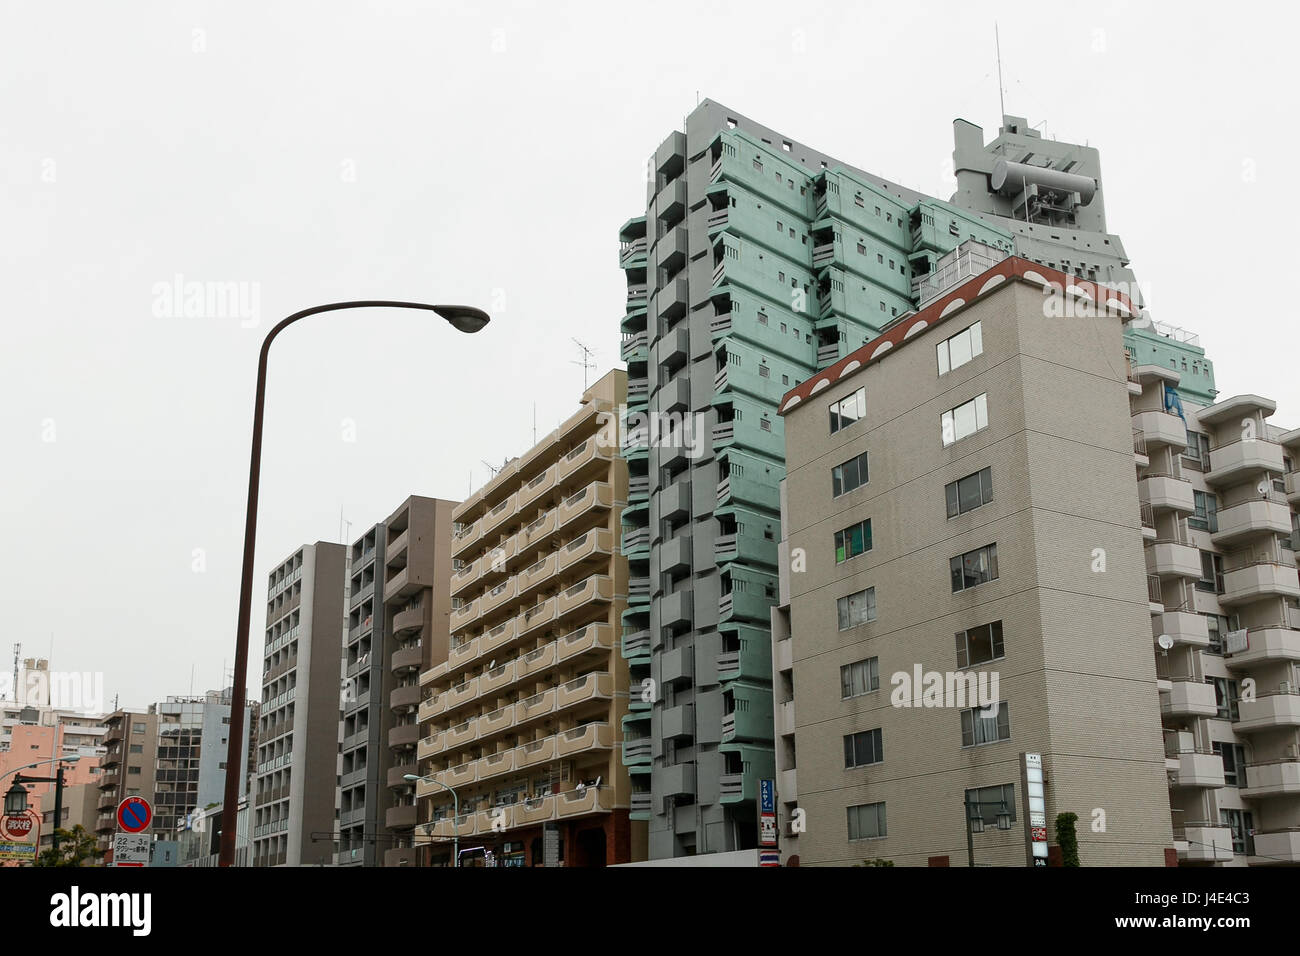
<point>963,588</point>
<point>520,728</point>
<point>128,768</point>
<point>1218,484</point>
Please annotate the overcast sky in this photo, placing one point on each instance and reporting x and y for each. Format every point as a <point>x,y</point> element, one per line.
<point>487,153</point>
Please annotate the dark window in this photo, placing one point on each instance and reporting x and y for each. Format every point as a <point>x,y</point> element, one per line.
<point>852,474</point>
<point>864,748</point>
<point>979,645</point>
<point>853,541</point>
<point>974,567</point>
<point>969,493</point>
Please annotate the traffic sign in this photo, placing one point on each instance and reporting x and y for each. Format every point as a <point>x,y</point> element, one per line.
<point>20,835</point>
<point>18,826</point>
<point>134,814</point>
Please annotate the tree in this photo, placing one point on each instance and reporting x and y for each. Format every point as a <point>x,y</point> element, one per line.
<point>76,847</point>
<point>1067,838</point>
<point>875,862</point>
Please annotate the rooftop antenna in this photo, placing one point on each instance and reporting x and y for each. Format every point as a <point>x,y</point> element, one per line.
<point>345,527</point>
<point>585,361</point>
<point>534,423</point>
<point>18,653</point>
<point>997,40</point>
<point>492,469</point>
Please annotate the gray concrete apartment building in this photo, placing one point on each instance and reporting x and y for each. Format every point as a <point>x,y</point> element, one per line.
<point>758,261</point>
<point>294,797</point>
<point>398,610</point>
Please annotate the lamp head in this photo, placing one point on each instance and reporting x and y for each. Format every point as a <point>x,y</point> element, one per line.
<point>464,318</point>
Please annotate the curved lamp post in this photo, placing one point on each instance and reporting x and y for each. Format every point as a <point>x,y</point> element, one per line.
<point>16,798</point>
<point>463,318</point>
<point>455,816</point>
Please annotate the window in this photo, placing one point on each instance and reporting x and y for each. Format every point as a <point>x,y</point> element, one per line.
<point>848,410</point>
<point>867,821</point>
<point>1218,626</point>
<point>1207,512</point>
<point>955,351</point>
<point>848,476</point>
<point>977,729</point>
<point>137,728</point>
<point>853,541</point>
<point>862,749</point>
<point>964,420</point>
<point>979,645</point>
<point>856,608</point>
<point>969,493</point>
<point>1197,454</point>
<point>1242,824</point>
<point>132,770</point>
<point>974,567</point>
<point>860,677</point>
<point>137,748</point>
<point>1234,763</point>
<point>1226,697</point>
<point>987,802</point>
<point>1211,573</point>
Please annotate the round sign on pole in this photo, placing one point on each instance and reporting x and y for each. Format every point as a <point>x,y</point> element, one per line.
<point>134,814</point>
<point>18,826</point>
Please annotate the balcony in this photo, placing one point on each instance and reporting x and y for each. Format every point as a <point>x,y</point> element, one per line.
<point>400,818</point>
<point>538,486</point>
<point>495,764</point>
<point>638,752</point>
<point>633,253</point>
<point>785,718</point>
<point>1166,493</point>
<point>500,513</point>
<point>1268,711</point>
<point>591,457</point>
<point>534,810</point>
<point>539,705</point>
<point>431,707</point>
<point>536,616</point>
<point>598,494</point>
<point>534,752</point>
<point>536,573</point>
<point>407,658</point>
<point>536,661</point>
<point>1259,580</point>
<point>675,780</point>
<point>499,677</point>
<point>1292,486</point>
<point>598,587</point>
<point>1279,846</point>
<point>594,686</point>
<point>460,775</point>
<point>460,734</point>
<point>1161,428</point>
<point>404,698</point>
<point>1198,771</point>
<point>1183,627</point>
<point>463,616</point>
<point>592,639</point>
<point>1168,559</point>
<point>408,620</point>
<point>1276,778</point>
<point>461,654</point>
<point>575,803</point>
<point>462,693</point>
<point>497,597</point>
<point>1203,843</point>
<point>538,530</point>
<point>634,540</point>
<point>636,644</point>
<point>583,739</point>
<point>1250,519</point>
<point>468,535</point>
<point>596,542</point>
<point>1267,644</point>
<point>404,735</point>
<point>1237,461</point>
<point>1189,698</point>
<point>676,610</point>
<point>677,722</point>
<point>429,746</point>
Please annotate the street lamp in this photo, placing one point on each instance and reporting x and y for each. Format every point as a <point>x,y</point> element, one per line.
<point>463,318</point>
<point>975,822</point>
<point>16,798</point>
<point>455,814</point>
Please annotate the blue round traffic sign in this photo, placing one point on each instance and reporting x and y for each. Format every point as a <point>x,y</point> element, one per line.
<point>134,814</point>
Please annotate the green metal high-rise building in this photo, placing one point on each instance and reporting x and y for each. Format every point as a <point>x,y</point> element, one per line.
<point>757,262</point>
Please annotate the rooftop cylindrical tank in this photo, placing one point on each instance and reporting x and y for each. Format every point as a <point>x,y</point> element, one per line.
<point>1011,178</point>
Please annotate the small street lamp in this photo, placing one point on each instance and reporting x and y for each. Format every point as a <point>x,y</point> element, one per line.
<point>455,815</point>
<point>975,822</point>
<point>16,797</point>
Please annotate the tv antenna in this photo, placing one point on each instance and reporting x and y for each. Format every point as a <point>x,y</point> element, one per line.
<point>492,469</point>
<point>585,361</point>
<point>997,41</point>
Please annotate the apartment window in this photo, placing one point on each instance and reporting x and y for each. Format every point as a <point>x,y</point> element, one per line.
<point>1226,696</point>
<point>848,410</point>
<point>1207,512</point>
<point>137,728</point>
<point>955,351</point>
<point>987,802</point>
<point>1234,763</point>
<point>853,541</point>
<point>1217,625</point>
<point>965,420</point>
<point>969,493</point>
<point>860,677</point>
<point>856,608</point>
<point>1242,825</point>
<point>1211,573</point>
<point>974,567</point>
<point>137,748</point>
<point>848,476</point>
<point>977,728</point>
<point>131,771</point>
<point>867,821</point>
<point>863,749</point>
<point>979,645</point>
<point>1197,453</point>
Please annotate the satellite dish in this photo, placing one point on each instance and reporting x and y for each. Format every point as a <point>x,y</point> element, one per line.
<point>1262,488</point>
<point>597,783</point>
<point>1165,641</point>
